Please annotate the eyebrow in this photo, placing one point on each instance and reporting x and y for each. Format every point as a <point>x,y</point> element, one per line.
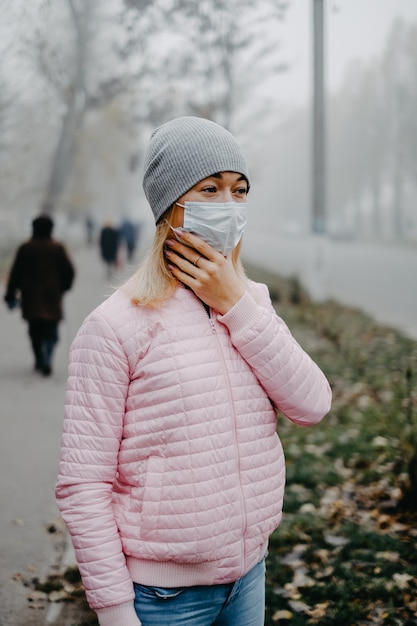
<point>220,175</point>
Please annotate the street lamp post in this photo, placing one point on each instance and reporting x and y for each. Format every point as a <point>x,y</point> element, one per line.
<point>319,134</point>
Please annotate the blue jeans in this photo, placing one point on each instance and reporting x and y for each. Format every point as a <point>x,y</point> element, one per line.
<point>236,604</point>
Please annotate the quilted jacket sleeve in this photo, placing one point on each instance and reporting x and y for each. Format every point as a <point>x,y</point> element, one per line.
<point>95,400</point>
<point>293,382</point>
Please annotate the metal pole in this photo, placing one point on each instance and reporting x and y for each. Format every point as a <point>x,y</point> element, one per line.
<point>319,135</point>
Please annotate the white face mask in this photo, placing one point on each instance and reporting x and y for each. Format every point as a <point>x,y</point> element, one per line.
<point>220,224</point>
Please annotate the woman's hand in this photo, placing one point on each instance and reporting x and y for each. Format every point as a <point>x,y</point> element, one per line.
<point>208,273</point>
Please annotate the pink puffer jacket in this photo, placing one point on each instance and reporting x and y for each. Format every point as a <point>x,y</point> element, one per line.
<point>171,471</point>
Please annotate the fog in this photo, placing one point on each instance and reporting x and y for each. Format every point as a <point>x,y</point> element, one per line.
<point>83,85</point>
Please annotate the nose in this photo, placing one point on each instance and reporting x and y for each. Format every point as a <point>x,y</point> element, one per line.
<point>227,195</point>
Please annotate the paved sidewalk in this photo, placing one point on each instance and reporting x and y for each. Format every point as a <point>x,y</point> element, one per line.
<point>31,413</point>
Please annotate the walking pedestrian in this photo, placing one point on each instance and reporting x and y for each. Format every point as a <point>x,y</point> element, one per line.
<point>172,474</point>
<point>41,273</point>
<point>129,235</point>
<point>109,246</point>
<point>89,229</point>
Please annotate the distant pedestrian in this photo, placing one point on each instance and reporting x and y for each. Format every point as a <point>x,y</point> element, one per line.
<point>89,229</point>
<point>128,234</point>
<point>109,246</point>
<point>41,273</point>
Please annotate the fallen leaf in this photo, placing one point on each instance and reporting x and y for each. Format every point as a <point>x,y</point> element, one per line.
<point>293,558</point>
<point>37,600</point>
<point>402,580</point>
<point>322,554</point>
<point>335,540</point>
<point>291,591</point>
<point>380,442</point>
<point>388,556</point>
<point>302,580</point>
<point>298,606</point>
<point>283,614</point>
<point>308,507</point>
<point>326,573</point>
<point>319,610</point>
<point>57,596</point>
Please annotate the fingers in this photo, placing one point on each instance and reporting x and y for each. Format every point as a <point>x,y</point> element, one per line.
<point>193,264</point>
<point>208,273</point>
<point>190,244</point>
<point>186,259</point>
<point>196,260</point>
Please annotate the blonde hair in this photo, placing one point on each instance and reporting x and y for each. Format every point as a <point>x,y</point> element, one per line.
<point>153,283</point>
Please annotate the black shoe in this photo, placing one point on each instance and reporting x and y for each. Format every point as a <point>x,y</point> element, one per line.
<point>46,370</point>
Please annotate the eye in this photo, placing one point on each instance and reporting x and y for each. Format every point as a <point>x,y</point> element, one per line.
<point>209,189</point>
<point>242,191</point>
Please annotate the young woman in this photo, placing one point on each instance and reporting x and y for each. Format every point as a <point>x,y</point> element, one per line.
<point>172,474</point>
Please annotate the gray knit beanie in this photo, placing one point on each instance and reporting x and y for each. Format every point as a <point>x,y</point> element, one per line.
<point>181,153</point>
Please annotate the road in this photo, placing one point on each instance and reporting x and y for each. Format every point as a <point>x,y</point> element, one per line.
<point>31,413</point>
<point>377,277</point>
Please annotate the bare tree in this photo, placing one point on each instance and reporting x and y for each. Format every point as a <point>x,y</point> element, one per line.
<point>80,86</point>
<point>347,158</point>
<point>374,134</point>
<point>205,58</point>
<point>76,99</point>
<point>8,93</point>
<point>229,50</point>
<point>400,67</point>
<point>165,57</point>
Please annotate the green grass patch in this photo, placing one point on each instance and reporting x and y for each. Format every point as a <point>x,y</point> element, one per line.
<point>346,550</point>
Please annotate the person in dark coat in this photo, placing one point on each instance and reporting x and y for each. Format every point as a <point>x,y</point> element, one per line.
<point>129,233</point>
<point>41,273</point>
<point>109,246</point>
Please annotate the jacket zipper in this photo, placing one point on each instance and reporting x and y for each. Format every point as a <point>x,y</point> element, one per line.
<point>208,311</point>
<point>243,507</point>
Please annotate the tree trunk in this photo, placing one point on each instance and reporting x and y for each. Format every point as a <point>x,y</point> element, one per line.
<point>76,105</point>
<point>376,204</point>
<point>398,195</point>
